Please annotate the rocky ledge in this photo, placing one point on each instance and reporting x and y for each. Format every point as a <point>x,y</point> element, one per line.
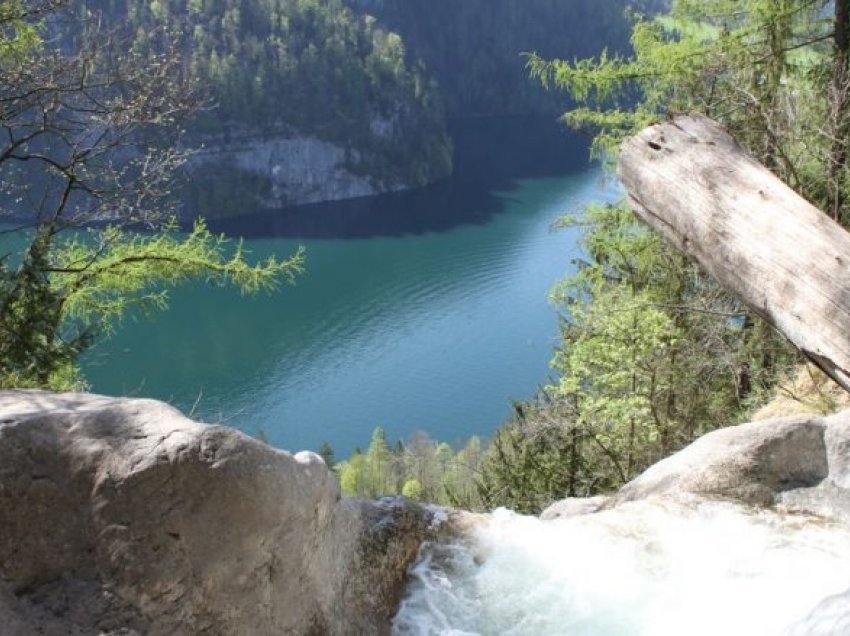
<point>122,516</point>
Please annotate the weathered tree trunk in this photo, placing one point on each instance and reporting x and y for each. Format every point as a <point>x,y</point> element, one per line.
<point>779,254</point>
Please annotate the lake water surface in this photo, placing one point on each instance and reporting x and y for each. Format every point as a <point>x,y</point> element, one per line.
<point>423,311</point>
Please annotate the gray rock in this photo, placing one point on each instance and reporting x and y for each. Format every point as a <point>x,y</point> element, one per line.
<point>751,463</point>
<point>824,500</point>
<point>298,169</point>
<point>800,463</point>
<point>837,440</point>
<point>122,516</point>
<point>572,507</point>
<point>830,497</point>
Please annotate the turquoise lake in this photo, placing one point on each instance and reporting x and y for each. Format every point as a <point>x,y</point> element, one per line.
<point>424,311</point>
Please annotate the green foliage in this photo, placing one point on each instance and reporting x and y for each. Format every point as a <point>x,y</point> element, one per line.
<point>33,350</point>
<point>326,452</point>
<point>533,460</point>
<point>652,353</point>
<point>351,472</point>
<point>71,155</point>
<point>112,270</point>
<point>652,356</point>
<point>378,469</point>
<point>760,67</point>
<point>18,36</point>
<point>473,47</point>
<point>66,290</point>
<point>413,489</point>
<point>100,276</point>
<point>420,469</point>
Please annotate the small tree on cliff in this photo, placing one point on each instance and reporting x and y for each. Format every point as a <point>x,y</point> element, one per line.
<point>90,137</point>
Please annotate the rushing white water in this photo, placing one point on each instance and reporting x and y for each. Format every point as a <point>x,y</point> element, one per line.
<point>648,569</point>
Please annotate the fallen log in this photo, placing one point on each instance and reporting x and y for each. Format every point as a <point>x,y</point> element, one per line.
<point>779,254</point>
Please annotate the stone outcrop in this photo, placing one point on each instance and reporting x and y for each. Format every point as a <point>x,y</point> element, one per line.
<point>800,464</point>
<point>296,170</point>
<point>574,506</point>
<point>121,516</point>
<point>752,463</point>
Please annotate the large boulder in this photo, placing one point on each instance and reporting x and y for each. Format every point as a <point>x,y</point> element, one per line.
<point>799,463</point>
<point>750,463</point>
<point>123,516</point>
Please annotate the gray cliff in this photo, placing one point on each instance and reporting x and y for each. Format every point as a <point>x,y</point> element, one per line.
<point>289,170</point>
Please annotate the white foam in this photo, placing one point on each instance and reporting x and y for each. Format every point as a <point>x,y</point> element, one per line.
<point>644,569</point>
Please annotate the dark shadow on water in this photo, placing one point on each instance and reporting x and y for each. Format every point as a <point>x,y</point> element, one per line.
<point>491,154</point>
<point>437,208</point>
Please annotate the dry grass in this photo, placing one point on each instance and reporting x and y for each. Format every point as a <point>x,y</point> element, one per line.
<point>810,391</point>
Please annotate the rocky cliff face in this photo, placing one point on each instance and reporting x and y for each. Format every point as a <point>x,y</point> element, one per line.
<point>122,516</point>
<point>285,170</point>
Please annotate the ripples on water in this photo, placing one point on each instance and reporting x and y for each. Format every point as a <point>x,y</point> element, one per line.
<point>434,332</point>
<point>640,570</point>
<point>424,310</point>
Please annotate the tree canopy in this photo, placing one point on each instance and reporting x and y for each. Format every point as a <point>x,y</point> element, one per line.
<point>473,48</point>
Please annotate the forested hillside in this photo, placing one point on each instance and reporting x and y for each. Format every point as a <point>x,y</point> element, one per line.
<point>474,47</point>
<point>369,77</point>
<point>299,67</point>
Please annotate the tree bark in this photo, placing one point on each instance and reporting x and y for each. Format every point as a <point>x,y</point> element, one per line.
<point>788,261</point>
<point>839,103</point>
<point>842,32</point>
